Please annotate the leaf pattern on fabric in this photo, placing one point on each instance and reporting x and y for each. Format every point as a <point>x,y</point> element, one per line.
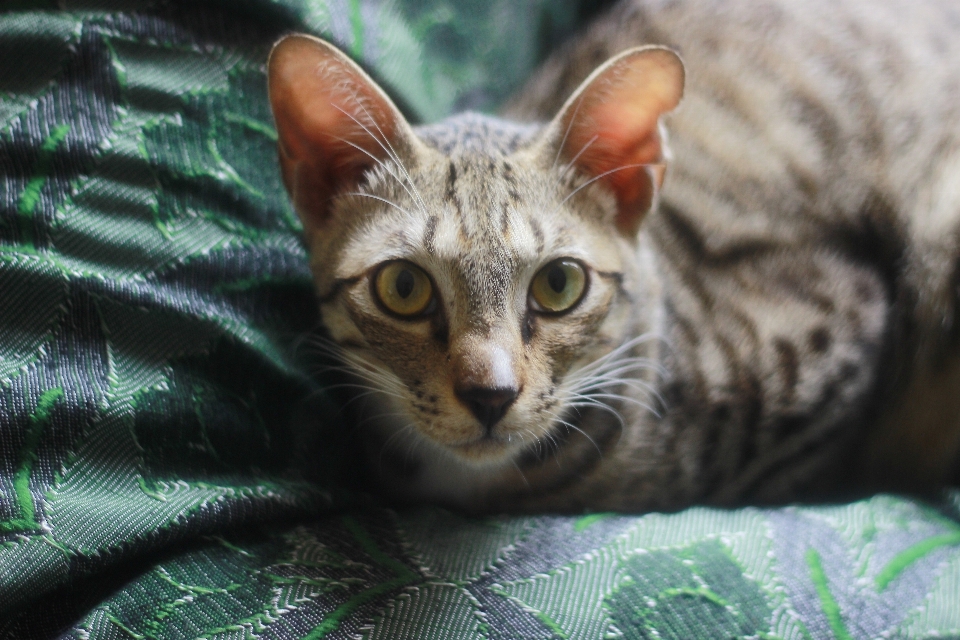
<point>696,591</point>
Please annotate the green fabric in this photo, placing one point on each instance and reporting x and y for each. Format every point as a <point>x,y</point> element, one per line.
<point>885,567</point>
<point>154,295</point>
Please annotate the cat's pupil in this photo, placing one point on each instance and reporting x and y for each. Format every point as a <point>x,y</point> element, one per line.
<point>557,279</point>
<point>404,283</point>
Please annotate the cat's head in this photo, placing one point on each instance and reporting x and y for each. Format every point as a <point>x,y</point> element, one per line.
<point>471,271</point>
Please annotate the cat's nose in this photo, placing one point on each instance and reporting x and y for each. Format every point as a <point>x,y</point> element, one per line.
<point>488,404</point>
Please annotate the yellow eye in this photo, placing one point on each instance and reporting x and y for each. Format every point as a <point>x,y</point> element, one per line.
<point>558,286</point>
<point>403,288</point>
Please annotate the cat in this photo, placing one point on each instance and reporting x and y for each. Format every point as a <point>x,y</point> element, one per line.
<point>564,309</point>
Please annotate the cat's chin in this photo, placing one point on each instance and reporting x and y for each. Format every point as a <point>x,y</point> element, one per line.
<point>485,451</point>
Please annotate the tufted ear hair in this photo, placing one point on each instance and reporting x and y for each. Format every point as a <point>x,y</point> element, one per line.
<point>334,123</point>
<point>610,131</point>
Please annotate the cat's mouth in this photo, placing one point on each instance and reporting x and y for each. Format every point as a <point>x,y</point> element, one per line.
<point>486,448</point>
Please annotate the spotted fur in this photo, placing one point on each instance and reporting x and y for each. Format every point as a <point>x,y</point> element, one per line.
<point>782,324</point>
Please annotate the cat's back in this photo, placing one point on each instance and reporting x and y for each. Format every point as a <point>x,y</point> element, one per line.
<point>819,123</point>
<point>790,99</point>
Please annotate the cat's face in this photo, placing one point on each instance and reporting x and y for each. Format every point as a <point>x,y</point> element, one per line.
<point>470,270</point>
<point>468,307</point>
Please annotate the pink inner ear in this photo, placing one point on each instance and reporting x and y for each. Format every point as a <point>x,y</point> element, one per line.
<point>327,115</point>
<point>333,123</point>
<point>627,139</point>
<point>615,128</point>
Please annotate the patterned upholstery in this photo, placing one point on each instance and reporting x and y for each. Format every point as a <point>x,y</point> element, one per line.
<point>154,296</point>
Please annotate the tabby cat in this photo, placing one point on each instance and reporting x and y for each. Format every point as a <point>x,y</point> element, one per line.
<point>557,312</point>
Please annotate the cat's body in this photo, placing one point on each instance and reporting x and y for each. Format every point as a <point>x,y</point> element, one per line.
<point>787,309</point>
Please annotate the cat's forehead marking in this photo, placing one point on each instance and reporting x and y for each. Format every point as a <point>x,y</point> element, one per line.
<point>473,133</point>
<point>492,208</point>
<point>430,233</point>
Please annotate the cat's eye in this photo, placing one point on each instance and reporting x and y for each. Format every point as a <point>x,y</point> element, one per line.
<point>559,286</point>
<point>403,288</point>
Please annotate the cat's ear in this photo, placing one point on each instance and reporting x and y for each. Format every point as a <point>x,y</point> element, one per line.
<point>333,123</point>
<point>610,128</point>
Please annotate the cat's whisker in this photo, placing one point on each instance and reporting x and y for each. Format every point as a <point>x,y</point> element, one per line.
<point>594,179</point>
<point>625,361</point>
<point>605,406</point>
<point>368,391</point>
<point>617,353</point>
<point>358,369</point>
<point>602,392</point>
<point>566,134</point>
<point>520,471</point>
<point>319,343</point>
<point>304,338</point>
<point>316,393</point>
<point>384,386</point>
<point>365,128</point>
<point>627,345</point>
<point>554,447</point>
<point>379,378</point>
<point>596,404</point>
<point>541,446</point>
<point>605,380</point>
<point>360,362</point>
<point>604,384</point>
<point>374,382</point>
<point>396,435</point>
<point>533,439</point>
<point>390,393</point>
<point>573,161</point>
<point>538,441</point>
<point>599,399</point>
<point>389,441</point>
<point>382,414</point>
<point>412,448</point>
<point>593,383</point>
<point>597,382</point>
<point>570,425</point>
<point>393,155</point>
<point>407,428</point>
<point>319,370</point>
<point>388,149</point>
<point>369,372</point>
<point>613,396</point>
<point>384,200</point>
<point>366,376</point>
<point>319,340</point>
<point>314,352</point>
<point>380,163</point>
<point>356,366</point>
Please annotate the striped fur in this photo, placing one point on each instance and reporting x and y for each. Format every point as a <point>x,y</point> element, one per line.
<point>782,326</point>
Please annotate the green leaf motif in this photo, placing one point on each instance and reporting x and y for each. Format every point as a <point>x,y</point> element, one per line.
<point>910,555</point>
<point>28,458</point>
<point>31,195</point>
<point>830,607</point>
<point>404,576</point>
<point>694,592</point>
